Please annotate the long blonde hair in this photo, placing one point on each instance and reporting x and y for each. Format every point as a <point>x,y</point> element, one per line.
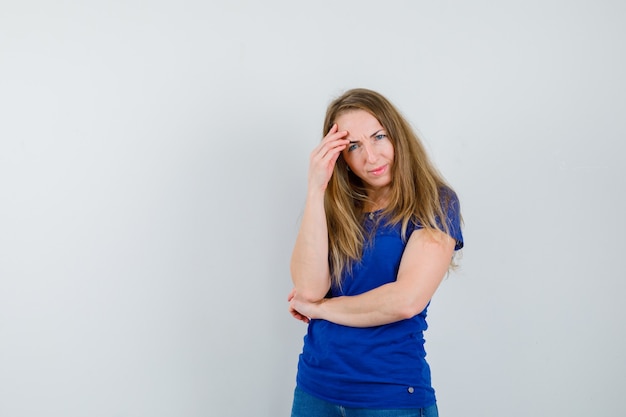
<point>418,192</point>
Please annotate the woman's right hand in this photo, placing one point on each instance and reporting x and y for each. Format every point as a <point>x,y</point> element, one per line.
<point>324,156</point>
<point>295,313</point>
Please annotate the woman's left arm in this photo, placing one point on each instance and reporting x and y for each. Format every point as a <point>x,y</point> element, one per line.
<point>424,263</point>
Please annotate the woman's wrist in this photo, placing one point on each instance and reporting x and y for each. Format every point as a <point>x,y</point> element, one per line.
<point>322,309</point>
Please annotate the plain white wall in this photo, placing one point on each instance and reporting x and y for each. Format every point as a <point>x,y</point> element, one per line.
<point>153,160</point>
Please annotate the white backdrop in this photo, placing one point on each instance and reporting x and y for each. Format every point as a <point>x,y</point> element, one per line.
<point>153,160</point>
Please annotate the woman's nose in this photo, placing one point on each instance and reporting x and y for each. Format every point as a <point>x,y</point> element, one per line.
<point>370,153</point>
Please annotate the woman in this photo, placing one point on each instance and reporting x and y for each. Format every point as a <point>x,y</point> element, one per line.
<point>371,251</point>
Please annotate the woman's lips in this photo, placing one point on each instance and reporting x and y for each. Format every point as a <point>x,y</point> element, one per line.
<point>379,171</point>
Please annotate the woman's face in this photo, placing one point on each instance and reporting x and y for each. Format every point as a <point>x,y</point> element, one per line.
<point>370,152</point>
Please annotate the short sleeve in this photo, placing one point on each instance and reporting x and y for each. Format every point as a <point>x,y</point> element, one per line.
<point>452,207</point>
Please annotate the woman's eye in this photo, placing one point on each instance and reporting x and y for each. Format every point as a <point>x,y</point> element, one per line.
<point>380,137</point>
<point>352,146</point>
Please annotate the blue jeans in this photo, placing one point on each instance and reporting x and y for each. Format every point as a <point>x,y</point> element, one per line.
<point>305,405</point>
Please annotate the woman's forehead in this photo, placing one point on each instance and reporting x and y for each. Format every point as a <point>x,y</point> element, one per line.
<point>358,122</point>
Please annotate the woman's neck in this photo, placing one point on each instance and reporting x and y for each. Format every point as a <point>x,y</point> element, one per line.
<point>375,203</point>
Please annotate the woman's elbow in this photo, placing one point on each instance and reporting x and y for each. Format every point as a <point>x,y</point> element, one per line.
<point>311,295</point>
<point>310,287</point>
<point>410,308</point>
<point>310,292</point>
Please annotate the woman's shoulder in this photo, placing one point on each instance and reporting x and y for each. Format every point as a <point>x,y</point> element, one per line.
<point>447,195</point>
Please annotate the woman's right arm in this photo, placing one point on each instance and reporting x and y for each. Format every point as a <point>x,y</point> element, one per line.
<point>309,261</point>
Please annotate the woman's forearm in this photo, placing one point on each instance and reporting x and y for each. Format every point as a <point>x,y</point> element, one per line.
<point>383,305</point>
<point>309,260</point>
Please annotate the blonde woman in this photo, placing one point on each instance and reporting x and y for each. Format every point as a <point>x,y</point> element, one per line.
<point>379,232</point>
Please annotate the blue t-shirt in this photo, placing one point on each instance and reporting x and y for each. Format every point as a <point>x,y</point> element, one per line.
<point>372,367</point>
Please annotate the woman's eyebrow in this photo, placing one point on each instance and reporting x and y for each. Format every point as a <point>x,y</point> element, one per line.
<point>371,136</point>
